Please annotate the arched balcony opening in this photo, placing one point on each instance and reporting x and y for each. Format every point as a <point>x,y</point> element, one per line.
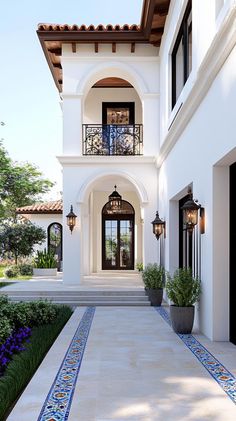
<point>112,121</point>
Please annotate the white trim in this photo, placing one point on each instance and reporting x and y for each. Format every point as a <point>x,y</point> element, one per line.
<point>220,49</point>
<point>68,160</point>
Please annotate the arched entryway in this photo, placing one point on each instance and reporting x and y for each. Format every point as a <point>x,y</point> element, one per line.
<point>118,237</point>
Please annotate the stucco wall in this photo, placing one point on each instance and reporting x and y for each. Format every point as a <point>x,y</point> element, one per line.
<point>201,157</point>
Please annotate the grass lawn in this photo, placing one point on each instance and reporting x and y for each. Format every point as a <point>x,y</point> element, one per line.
<point>2,268</point>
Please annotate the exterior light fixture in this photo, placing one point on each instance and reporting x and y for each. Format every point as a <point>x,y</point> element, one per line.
<point>190,212</point>
<point>115,200</point>
<point>158,226</point>
<point>71,219</point>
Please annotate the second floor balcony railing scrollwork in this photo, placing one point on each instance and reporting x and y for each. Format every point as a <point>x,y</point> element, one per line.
<point>110,139</point>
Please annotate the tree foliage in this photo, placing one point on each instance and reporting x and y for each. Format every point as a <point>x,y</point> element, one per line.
<point>21,184</point>
<point>18,239</point>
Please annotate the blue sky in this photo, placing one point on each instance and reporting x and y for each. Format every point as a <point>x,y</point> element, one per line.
<point>29,100</point>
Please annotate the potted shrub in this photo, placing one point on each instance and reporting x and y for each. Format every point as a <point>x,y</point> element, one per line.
<point>45,264</point>
<point>183,289</point>
<point>154,280</point>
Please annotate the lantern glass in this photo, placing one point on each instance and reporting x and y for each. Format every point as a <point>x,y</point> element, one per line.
<point>158,226</point>
<point>157,229</point>
<point>71,219</point>
<point>115,200</point>
<point>190,217</point>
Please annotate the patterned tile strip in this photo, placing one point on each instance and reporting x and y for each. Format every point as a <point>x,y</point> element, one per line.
<point>58,402</point>
<point>224,378</point>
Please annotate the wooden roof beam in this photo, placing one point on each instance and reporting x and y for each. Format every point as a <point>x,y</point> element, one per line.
<point>96,47</point>
<point>132,49</point>
<point>73,47</point>
<point>57,65</point>
<point>114,47</point>
<point>56,51</point>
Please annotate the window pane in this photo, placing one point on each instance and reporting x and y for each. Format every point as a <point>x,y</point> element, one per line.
<point>189,25</point>
<point>179,68</point>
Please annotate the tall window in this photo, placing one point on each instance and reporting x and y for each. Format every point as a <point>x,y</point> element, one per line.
<point>182,55</point>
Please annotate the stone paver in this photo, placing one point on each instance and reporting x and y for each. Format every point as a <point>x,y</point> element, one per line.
<point>134,368</point>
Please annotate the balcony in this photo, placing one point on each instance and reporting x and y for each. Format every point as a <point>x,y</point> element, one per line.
<point>107,139</point>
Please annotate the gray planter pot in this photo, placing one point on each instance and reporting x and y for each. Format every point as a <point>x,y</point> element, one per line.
<point>155,296</point>
<point>182,318</point>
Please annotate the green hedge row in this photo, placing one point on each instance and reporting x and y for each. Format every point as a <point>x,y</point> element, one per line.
<point>22,367</point>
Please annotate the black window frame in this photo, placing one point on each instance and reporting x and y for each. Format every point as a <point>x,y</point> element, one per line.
<point>182,34</point>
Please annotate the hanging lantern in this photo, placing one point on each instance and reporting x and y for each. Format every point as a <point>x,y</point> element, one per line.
<point>71,219</point>
<point>158,226</point>
<point>115,200</point>
<point>190,212</point>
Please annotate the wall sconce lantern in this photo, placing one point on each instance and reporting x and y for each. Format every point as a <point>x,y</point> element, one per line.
<point>190,212</point>
<point>71,219</point>
<point>158,226</point>
<point>115,200</point>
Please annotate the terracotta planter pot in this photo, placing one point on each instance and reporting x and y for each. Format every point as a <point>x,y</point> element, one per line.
<point>45,272</point>
<point>155,296</point>
<point>182,318</point>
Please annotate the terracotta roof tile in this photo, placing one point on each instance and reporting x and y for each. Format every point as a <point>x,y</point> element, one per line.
<point>55,206</point>
<point>90,28</point>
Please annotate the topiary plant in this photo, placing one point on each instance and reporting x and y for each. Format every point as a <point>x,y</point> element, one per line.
<point>183,289</point>
<point>153,276</point>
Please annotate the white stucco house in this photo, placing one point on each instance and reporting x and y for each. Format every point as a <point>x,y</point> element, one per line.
<point>150,108</point>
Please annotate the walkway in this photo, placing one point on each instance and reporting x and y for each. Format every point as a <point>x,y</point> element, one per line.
<point>133,368</point>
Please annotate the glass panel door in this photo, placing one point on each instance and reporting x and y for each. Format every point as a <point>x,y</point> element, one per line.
<point>126,244</point>
<point>111,242</point>
<point>118,243</point>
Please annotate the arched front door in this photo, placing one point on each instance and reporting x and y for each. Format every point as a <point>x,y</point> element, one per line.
<point>118,237</point>
<point>55,241</point>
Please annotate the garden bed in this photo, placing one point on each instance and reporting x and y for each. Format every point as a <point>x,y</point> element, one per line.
<point>24,363</point>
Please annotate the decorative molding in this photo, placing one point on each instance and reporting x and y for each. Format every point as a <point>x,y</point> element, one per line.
<point>70,160</point>
<point>217,54</point>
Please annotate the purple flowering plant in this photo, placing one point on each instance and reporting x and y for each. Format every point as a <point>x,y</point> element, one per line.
<point>13,345</point>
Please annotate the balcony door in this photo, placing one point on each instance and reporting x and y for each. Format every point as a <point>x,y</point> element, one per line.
<point>118,113</point>
<point>118,238</point>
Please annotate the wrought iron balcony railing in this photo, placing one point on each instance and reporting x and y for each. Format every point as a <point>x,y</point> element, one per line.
<point>110,139</point>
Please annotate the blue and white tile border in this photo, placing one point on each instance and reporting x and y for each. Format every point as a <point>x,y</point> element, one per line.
<point>58,401</point>
<point>224,378</point>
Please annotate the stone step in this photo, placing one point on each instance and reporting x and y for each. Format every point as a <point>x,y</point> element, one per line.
<point>96,303</point>
<point>105,293</point>
<point>76,297</point>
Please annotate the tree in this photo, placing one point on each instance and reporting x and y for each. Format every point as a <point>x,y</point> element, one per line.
<point>18,240</point>
<point>21,184</point>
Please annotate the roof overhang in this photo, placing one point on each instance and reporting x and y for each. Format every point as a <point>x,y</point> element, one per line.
<point>150,31</point>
